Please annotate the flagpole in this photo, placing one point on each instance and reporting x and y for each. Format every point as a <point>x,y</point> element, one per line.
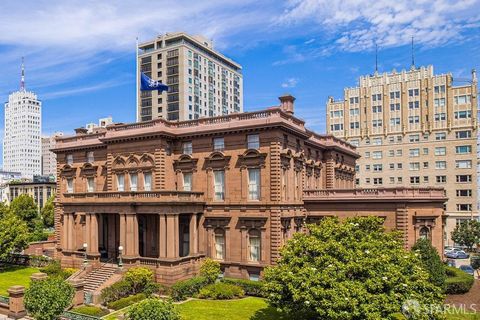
<point>136,82</point>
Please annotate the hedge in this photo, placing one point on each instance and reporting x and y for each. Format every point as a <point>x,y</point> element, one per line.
<point>188,288</point>
<point>251,288</point>
<point>90,311</point>
<point>125,302</point>
<point>458,282</point>
<point>221,291</point>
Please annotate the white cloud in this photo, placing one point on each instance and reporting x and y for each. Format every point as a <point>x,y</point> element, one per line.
<point>290,83</point>
<point>357,25</point>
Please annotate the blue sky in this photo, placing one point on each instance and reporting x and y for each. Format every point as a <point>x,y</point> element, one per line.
<point>80,55</point>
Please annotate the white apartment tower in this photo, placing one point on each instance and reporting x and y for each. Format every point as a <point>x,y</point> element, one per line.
<point>22,148</point>
<point>202,82</point>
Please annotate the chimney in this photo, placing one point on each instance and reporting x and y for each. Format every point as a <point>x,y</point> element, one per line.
<point>286,103</point>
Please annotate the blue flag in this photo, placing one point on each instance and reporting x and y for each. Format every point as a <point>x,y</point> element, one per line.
<point>147,84</point>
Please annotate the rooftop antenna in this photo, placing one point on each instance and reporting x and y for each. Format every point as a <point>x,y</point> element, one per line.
<point>22,81</point>
<point>413,57</point>
<point>376,58</point>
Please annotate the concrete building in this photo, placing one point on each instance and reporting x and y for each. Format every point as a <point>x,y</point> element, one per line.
<point>234,188</point>
<point>8,176</point>
<point>413,129</point>
<point>49,159</point>
<point>40,191</point>
<point>22,151</point>
<point>202,82</point>
<point>102,123</point>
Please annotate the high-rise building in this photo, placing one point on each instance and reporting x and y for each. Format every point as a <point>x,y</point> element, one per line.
<point>22,136</point>
<point>202,82</point>
<point>102,123</point>
<point>49,159</point>
<point>414,128</point>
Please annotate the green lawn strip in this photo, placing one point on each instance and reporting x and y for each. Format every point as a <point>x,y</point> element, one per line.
<point>12,276</point>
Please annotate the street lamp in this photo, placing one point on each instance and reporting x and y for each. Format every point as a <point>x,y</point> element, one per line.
<point>85,261</point>
<point>120,262</point>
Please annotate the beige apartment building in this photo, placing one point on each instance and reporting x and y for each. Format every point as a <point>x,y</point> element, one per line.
<point>202,82</point>
<point>414,128</point>
<point>49,159</point>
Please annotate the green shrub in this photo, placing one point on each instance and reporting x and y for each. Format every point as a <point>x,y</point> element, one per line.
<point>397,316</point>
<point>431,262</point>
<point>153,309</point>
<point>221,291</point>
<point>139,278</point>
<point>210,270</point>
<point>251,288</point>
<point>458,282</point>
<point>125,302</point>
<point>67,272</point>
<point>116,291</point>
<point>188,288</point>
<point>90,311</point>
<point>52,269</point>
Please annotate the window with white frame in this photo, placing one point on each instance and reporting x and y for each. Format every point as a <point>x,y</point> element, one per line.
<point>90,157</point>
<point>254,243</point>
<point>133,181</point>
<point>377,141</point>
<point>440,165</point>
<point>376,154</point>
<point>465,114</point>
<point>465,134</point>
<point>120,182</point>
<point>69,185</point>
<point>464,99</point>
<point>463,149</point>
<point>187,147</point>
<point>440,136</point>
<point>414,166</point>
<point>187,181</point>
<point>147,181</point>
<point>463,164</point>
<point>414,152</point>
<point>219,184</point>
<point>253,184</point>
<point>70,159</point>
<point>440,151</point>
<point>377,167</point>
<point>219,244</point>
<point>218,144</point>
<point>90,184</point>
<point>253,141</point>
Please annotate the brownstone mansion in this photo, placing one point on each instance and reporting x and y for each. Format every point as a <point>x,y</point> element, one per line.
<point>234,188</point>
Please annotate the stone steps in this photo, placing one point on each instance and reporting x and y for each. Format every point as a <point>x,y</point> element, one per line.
<point>97,277</point>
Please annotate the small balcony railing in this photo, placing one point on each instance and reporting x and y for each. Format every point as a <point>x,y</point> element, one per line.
<point>131,196</point>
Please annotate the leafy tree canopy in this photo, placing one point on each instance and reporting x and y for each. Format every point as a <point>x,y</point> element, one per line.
<point>431,262</point>
<point>48,212</point>
<point>24,207</point>
<point>351,270</point>
<point>47,299</point>
<point>467,233</point>
<point>13,234</point>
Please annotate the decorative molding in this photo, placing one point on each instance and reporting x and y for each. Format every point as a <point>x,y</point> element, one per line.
<point>217,160</point>
<point>251,158</point>
<point>185,163</point>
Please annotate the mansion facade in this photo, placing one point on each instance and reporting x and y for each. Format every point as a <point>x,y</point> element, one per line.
<point>234,188</point>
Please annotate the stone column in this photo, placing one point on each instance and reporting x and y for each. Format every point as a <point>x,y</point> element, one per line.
<point>172,236</point>
<point>70,232</point>
<point>93,239</point>
<point>78,296</point>
<point>16,308</point>
<point>123,232</point>
<point>193,234</point>
<point>131,236</point>
<point>162,236</point>
<point>65,232</point>
<point>244,246</point>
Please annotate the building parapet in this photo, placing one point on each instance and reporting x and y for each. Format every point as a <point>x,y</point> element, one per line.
<point>171,197</point>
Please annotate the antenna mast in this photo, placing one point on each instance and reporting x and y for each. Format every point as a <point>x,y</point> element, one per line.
<point>22,81</point>
<point>376,58</point>
<point>413,56</point>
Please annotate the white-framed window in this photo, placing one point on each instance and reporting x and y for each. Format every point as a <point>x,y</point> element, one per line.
<point>90,184</point>
<point>414,138</point>
<point>439,89</point>
<point>219,244</point>
<point>440,151</point>
<point>90,157</point>
<point>376,123</point>
<point>414,152</point>
<point>464,207</point>
<point>253,141</point>
<point>253,184</point>
<point>464,99</point>
<point>121,182</point>
<point>70,159</point>
<point>464,192</point>
<point>336,114</point>
<point>219,184</point>
<point>415,180</point>
<point>463,164</point>
<point>354,112</point>
<point>336,127</point>
<point>464,178</point>
<point>377,181</point>
<point>187,147</point>
<point>441,179</point>
<point>218,144</point>
<point>440,136</point>
<point>463,149</point>
<point>440,116</point>
<point>147,181</point>
<point>70,185</point>
<point>376,154</point>
<point>377,141</point>
<point>394,121</point>
<point>465,134</point>
<point>254,243</point>
<point>354,125</point>
<point>414,166</point>
<point>441,165</point>
<point>465,114</point>
<point>377,167</point>
<point>133,181</point>
<point>187,181</point>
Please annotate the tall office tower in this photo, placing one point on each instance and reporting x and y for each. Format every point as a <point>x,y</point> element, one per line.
<point>202,82</point>
<point>414,128</point>
<point>22,150</point>
<point>49,159</point>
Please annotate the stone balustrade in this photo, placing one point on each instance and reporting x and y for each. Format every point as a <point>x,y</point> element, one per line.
<point>372,194</point>
<point>130,196</point>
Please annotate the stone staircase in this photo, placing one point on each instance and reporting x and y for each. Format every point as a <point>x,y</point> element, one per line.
<point>97,277</point>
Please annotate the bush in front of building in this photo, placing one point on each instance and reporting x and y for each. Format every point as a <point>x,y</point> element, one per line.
<point>90,311</point>
<point>153,309</point>
<point>458,282</point>
<point>221,291</point>
<point>127,301</point>
<point>139,278</point>
<point>251,288</point>
<point>349,267</point>
<point>431,262</point>
<point>210,269</point>
<point>116,291</point>
<point>188,288</point>
<point>46,299</point>
<point>54,269</point>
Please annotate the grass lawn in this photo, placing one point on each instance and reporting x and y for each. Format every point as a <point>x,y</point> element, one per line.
<point>15,276</point>
<point>243,309</point>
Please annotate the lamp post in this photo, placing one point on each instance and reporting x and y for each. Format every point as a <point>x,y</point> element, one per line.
<point>120,262</point>
<point>85,261</point>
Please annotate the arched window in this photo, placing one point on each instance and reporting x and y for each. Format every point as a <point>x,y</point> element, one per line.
<point>424,233</point>
<point>254,244</point>
<point>219,244</point>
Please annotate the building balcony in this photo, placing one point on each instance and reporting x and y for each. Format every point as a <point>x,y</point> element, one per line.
<point>170,197</point>
<point>375,195</point>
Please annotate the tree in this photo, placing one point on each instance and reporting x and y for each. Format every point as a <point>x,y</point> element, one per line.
<point>13,234</point>
<point>431,262</point>
<point>467,233</point>
<point>48,212</point>
<point>351,271</point>
<point>25,208</point>
<point>210,269</point>
<point>153,309</point>
<point>47,299</point>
